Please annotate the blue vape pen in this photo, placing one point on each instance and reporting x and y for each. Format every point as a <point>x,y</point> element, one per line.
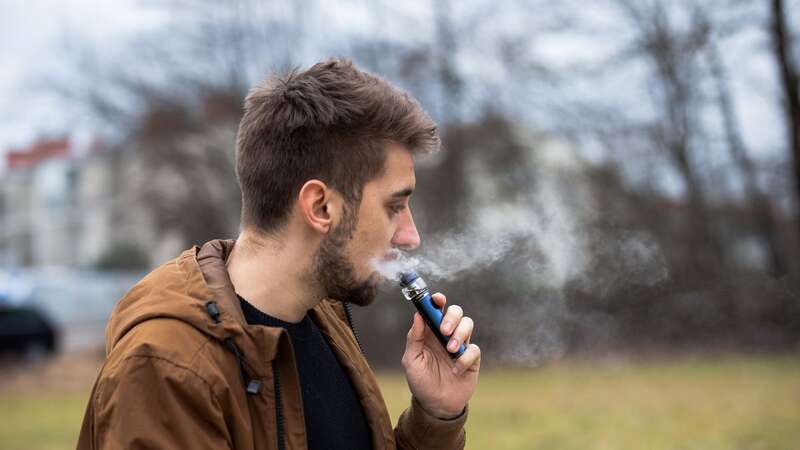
<point>416,291</point>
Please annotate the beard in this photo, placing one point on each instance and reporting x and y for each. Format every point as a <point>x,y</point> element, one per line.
<point>334,272</point>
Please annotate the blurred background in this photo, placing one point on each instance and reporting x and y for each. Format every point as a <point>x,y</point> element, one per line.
<point>617,203</point>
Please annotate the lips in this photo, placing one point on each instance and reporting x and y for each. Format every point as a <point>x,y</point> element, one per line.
<point>393,255</point>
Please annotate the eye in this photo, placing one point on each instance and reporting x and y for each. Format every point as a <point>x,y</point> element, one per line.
<point>396,209</point>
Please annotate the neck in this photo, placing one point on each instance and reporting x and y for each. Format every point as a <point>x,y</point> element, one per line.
<point>273,275</point>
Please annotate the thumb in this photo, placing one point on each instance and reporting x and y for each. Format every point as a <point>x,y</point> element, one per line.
<point>416,336</point>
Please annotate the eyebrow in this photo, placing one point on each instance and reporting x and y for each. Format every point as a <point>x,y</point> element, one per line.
<point>403,193</point>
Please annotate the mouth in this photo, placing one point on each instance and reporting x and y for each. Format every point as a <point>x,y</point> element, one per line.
<point>391,263</point>
<point>393,255</point>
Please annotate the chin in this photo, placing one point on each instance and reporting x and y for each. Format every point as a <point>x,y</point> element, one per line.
<point>364,297</point>
<point>368,290</point>
<point>361,294</point>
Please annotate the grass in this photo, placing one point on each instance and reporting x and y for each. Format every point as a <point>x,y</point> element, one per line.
<point>741,403</point>
<point>41,421</point>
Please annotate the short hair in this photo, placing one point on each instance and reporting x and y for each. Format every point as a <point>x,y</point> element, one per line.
<point>331,122</point>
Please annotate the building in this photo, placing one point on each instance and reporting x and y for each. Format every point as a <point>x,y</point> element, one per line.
<point>62,204</point>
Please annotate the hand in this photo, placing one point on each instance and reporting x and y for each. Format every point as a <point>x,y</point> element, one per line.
<point>441,385</point>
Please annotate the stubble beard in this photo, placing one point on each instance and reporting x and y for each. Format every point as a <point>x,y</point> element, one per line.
<point>335,273</point>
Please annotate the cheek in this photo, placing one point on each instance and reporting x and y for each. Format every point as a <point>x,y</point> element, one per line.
<point>373,241</point>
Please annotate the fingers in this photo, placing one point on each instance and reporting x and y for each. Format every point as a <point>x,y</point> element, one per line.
<point>415,338</point>
<point>415,341</point>
<point>459,328</point>
<point>469,361</point>
<point>454,324</point>
<point>451,318</point>
<point>439,299</point>
<point>461,335</point>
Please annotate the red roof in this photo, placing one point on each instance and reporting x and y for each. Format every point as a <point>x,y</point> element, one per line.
<point>40,151</point>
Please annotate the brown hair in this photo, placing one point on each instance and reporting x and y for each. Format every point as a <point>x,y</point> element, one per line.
<point>331,122</point>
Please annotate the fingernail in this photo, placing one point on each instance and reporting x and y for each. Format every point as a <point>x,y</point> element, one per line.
<point>452,345</point>
<point>447,327</point>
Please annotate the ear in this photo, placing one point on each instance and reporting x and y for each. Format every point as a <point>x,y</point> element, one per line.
<point>320,205</point>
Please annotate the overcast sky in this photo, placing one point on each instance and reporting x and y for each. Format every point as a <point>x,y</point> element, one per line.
<point>34,34</point>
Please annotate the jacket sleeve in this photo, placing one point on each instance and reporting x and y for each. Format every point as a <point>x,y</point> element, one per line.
<point>416,429</point>
<point>147,402</point>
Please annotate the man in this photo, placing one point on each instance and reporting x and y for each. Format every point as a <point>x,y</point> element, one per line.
<point>248,344</point>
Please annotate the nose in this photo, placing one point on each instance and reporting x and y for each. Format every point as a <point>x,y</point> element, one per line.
<point>406,236</point>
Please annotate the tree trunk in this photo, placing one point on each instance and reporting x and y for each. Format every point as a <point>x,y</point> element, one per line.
<point>765,219</point>
<point>790,81</point>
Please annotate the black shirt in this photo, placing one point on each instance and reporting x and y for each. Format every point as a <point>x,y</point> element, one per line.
<point>334,417</point>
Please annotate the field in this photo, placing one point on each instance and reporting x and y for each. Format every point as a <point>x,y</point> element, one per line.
<point>731,403</point>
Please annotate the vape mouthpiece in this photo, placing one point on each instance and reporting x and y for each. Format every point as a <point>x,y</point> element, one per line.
<point>406,278</point>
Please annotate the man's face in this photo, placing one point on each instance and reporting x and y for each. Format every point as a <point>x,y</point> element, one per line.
<point>345,263</point>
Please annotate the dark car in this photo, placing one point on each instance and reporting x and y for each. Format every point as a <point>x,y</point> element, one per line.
<point>25,332</point>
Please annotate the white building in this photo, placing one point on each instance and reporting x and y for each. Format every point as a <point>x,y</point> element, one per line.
<point>63,204</point>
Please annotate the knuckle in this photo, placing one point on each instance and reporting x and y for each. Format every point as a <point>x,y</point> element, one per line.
<point>455,310</point>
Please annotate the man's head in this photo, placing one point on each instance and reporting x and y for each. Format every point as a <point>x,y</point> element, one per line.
<point>333,131</point>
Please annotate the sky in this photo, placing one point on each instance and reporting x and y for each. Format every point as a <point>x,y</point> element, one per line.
<point>33,33</point>
<point>36,33</point>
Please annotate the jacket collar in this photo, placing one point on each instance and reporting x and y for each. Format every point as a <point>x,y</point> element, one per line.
<point>181,290</point>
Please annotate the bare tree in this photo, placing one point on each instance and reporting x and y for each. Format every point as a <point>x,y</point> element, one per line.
<point>177,100</point>
<point>782,41</point>
<point>186,178</point>
<point>446,52</point>
<point>673,56</point>
<point>766,223</point>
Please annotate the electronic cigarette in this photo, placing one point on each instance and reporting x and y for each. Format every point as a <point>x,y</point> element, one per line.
<point>416,291</point>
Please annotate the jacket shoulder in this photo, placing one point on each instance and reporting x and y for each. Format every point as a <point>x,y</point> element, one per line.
<point>161,337</point>
<point>143,395</point>
<point>171,346</point>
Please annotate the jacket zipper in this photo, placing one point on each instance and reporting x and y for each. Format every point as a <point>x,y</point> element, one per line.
<point>349,316</point>
<point>253,387</point>
<point>277,382</point>
<point>278,405</point>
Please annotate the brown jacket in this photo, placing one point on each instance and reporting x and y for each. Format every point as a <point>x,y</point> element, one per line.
<point>184,370</point>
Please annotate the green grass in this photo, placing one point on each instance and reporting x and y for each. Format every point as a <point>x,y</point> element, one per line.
<point>732,404</point>
<point>48,421</point>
